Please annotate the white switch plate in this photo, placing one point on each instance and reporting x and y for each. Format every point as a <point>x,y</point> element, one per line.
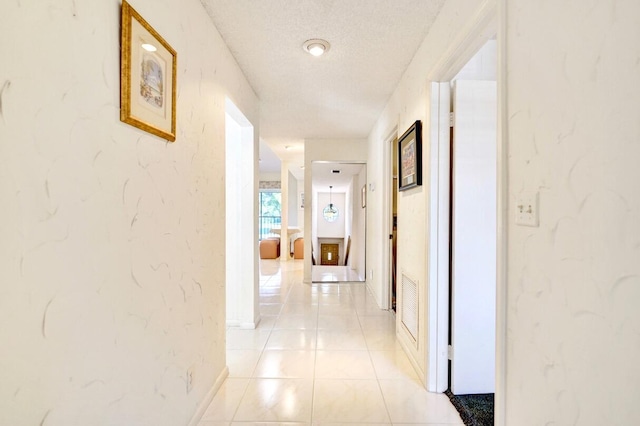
<point>527,209</point>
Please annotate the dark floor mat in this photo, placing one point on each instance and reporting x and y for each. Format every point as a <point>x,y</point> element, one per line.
<point>475,410</point>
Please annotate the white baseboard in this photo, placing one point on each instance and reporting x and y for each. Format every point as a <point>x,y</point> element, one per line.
<point>204,404</point>
<point>243,325</point>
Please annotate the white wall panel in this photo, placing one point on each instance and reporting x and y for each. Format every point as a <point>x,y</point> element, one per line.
<point>574,281</point>
<point>112,249</point>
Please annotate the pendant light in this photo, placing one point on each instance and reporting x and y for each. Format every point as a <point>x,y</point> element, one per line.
<point>330,212</point>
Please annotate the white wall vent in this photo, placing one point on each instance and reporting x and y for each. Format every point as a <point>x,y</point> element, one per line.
<point>410,306</point>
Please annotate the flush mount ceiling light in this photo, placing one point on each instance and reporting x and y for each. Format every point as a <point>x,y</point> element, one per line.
<point>316,46</point>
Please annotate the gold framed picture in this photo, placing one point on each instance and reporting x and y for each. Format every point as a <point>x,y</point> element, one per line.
<point>147,77</point>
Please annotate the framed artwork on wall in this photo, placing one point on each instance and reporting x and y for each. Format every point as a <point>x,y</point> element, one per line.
<point>410,157</point>
<point>147,77</point>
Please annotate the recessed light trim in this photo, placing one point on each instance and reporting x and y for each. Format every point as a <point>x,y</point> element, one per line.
<point>316,46</point>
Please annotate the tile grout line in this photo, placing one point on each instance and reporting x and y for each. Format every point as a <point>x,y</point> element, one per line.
<point>295,292</point>
<point>315,359</point>
<point>253,377</point>
<point>375,371</point>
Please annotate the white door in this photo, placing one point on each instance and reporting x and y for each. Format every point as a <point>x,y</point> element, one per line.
<point>473,222</point>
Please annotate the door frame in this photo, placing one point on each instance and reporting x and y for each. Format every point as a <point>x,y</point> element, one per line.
<point>387,216</point>
<point>242,288</point>
<point>310,204</point>
<point>488,20</point>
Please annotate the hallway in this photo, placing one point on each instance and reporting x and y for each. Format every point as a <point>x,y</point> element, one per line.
<point>322,354</point>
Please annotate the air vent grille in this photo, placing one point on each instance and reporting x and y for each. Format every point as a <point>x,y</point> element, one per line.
<point>410,306</point>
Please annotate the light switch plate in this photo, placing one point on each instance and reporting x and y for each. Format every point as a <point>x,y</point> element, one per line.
<point>527,209</point>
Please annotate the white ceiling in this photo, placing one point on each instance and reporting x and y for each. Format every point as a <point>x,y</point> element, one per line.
<point>337,95</point>
<point>269,161</point>
<point>323,176</point>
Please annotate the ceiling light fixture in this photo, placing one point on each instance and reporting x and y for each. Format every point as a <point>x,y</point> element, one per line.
<point>330,212</point>
<point>316,46</point>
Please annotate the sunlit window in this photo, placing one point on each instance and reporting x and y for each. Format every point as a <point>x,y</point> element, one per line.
<point>270,214</point>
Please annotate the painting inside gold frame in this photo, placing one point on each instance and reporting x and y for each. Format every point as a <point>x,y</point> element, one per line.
<point>148,77</point>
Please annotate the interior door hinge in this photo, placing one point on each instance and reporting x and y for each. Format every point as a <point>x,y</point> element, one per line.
<point>449,352</point>
<point>451,119</point>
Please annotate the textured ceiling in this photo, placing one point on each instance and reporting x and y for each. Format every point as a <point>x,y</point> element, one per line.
<point>337,95</point>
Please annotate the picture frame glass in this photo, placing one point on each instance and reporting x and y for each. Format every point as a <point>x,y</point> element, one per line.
<point>410,158</point>
<point>147,77</point>
<point>150,73</point>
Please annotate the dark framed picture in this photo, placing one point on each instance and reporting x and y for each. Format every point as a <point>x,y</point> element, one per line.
<point>410,157</point>
<point>147,77</point>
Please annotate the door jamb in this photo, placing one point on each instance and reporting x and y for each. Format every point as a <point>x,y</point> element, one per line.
<point>438,300</point>
<point>387,216</point>
<point>246,304</point>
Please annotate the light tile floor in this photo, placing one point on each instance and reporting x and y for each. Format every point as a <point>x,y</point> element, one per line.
<point>331,274</point>
<point>323,354</point>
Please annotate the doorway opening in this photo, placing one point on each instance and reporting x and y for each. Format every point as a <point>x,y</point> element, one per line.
<point>393,226</point>
<point>472,225</point>
<point>241,208</point>
<point>464,256</point>
<point>486,24</point>
<point>338,221</point>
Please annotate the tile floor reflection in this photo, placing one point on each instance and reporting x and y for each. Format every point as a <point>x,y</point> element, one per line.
<point>333,274</point>
<point>323,354</point>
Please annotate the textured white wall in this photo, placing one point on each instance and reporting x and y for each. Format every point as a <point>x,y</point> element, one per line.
<point>299,198</point>
<point>293,201</point>
<point>112,240</point>
<point>409,103</point>
<point>358,237</point>
<point>574,282</point>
